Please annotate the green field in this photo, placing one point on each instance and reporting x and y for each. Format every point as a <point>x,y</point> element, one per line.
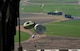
<point>65,28</point>
<point>53,1</point>
<point>65,6</point>
<point>24,36</point>
<point>67,9</point>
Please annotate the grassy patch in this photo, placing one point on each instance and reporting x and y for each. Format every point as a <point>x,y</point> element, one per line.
<point>24,36</point>
<point>67,9</point>
<point>53,1</point>
<point>66,28</point>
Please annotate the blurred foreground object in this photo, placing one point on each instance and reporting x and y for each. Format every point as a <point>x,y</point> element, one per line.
<point>9,11</point>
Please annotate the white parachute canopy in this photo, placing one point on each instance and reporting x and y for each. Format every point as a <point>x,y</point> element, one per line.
<point>56,11</point>
<point>28,25</point>
<point>40,29</point>
<point>42,5</point>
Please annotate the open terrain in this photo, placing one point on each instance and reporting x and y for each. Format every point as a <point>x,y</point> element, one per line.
<point>38,15</point>
<point>46,41</point>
